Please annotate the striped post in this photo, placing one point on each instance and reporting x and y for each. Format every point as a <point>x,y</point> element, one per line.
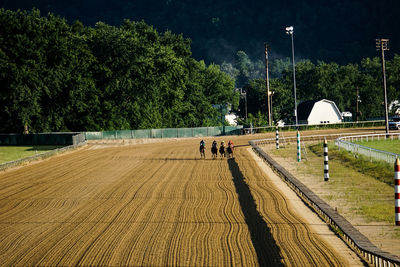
<point>397,190</point>
<point>326,166</point>
<point>298,147</point>
<point>277,137</point>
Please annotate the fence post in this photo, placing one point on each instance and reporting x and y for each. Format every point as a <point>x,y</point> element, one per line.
<point>298,147</point>
<point>397,190</point>
<point>277,137</point>
<point>326,166</point>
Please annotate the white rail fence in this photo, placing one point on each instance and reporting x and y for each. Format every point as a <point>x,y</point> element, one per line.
<point>372,153</point>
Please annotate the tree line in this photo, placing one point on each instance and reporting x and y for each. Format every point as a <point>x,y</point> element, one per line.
<point>56,76</point>
<point>342,31</point>
<point>314,81</point>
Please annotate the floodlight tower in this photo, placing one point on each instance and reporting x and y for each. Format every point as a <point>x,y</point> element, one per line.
<point>269,94</point>
<point>383,45</point>
<point>290,31</point>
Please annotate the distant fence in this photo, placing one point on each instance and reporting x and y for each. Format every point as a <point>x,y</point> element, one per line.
<point>302,127</point>
<point>357,241</point>
<point>347,143</point>
<point>66,139</point>
<point>165,133</point>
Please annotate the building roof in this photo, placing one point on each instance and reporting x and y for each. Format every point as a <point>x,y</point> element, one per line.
<point>304,108</point>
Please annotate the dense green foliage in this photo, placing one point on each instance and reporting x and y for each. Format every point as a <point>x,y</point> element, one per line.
<point>341,31</point>
<point>322,80</point>
<point>60,77</point>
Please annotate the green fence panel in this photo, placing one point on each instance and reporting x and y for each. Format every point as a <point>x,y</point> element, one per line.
<point>166,133</point>
<point>141,134</point>
<point>7,139</point>
<point>216,131</point>
<point>232,130</point>
<point>200,131</point>
<point>124,134</point>
<point>156,133</point>
<point>185,132</point>
<point>94,135</point>
<point>110,135</point>
<point>170,133</point>
<point>40,139</point>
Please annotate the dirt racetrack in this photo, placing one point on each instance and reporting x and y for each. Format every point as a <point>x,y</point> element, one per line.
<point>153,205</point>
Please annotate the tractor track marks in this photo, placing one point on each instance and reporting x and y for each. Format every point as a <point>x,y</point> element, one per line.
<point>150,205</point>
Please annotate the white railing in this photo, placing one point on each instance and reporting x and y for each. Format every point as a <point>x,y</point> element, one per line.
<point>372,153</point>
<point>302,127</point>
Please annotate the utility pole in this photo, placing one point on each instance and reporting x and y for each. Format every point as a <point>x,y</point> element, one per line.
<point>267,82</point>
<point>358,100</point>
<point>383,45</point>
<point>244,93</point>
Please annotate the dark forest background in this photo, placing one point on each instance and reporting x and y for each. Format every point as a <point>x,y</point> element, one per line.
<point>341,31</point>
<point>63,70</point>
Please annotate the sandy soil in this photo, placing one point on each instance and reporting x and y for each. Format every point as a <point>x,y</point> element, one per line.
<point>155,204</point>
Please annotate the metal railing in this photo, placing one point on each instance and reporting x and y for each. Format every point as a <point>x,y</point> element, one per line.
<point>302,127</point>
<point>347,143</point>
<point>319,138</point>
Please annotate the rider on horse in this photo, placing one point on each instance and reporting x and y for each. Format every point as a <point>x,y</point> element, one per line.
<point>202,148</point>
<point>230,148</point>
<point>214,149</point>
<point>222,149</point>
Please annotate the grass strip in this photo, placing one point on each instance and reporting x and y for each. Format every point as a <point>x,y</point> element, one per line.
<point>358,187</point>
<point>385,145</point>
<point>380,170</point>
<point>11,153</point>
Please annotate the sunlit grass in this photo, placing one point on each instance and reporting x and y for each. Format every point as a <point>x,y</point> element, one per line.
<point>356,185</point>
<point>385,145</point>
<point>11,153</point>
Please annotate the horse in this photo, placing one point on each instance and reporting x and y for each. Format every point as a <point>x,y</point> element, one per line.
<point>230,151</point>
<point>202,151</point>
<point>222,151</point>
<point>214,150</point>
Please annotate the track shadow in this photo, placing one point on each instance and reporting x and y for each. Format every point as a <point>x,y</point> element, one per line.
<point>268,253</point>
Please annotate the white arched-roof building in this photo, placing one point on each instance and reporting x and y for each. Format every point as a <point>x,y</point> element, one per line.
<point>318,112</point>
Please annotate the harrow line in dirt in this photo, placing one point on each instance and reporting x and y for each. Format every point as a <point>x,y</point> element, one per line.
<point>149,205</point>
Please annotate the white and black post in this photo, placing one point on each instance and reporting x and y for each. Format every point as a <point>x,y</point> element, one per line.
<point>277,137</point>
<point>326,166</point>
<point>298,147</point>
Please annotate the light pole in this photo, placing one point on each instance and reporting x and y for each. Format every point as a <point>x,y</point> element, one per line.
<point>289,30</point>
<point>270,94</point>
<point>382,45</point>
<point>243,93</point>
<point>267,83</point>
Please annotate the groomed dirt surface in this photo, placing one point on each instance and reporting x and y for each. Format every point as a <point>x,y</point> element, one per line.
<point>153,205</point>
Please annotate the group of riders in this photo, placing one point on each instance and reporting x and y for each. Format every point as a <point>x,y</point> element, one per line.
<point>224,151</point>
